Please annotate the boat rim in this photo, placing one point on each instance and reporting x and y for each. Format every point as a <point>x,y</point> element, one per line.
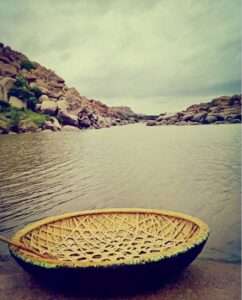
<point>50,263</point>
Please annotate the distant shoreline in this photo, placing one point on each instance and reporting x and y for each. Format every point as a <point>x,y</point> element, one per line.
<point>34,98</point>
<point>221,110</point>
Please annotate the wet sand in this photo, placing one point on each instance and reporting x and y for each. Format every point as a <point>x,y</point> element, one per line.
<point>204,279</point>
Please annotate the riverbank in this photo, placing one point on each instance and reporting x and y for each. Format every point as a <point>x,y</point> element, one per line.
<point>33,97</point>
<point>221,110</point>
<point>204,279</point>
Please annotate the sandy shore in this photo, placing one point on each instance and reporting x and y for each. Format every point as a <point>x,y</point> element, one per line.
<point>202,280</point>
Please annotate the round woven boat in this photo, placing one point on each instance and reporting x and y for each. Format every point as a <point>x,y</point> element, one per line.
<point>111,239</point>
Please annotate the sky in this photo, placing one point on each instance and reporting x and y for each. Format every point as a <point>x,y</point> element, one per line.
<point>153,55</point>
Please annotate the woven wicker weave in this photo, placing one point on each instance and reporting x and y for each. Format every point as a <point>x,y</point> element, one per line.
<point>109,237</point>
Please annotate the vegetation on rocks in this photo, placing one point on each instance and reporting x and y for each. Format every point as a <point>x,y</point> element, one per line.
<point>27,65</point>
<point>22,90</point>
<point>28,85</point>
<point>19,120</point>
<point>34,91</point>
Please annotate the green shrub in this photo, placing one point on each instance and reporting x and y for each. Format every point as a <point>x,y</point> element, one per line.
<point>4,106</point>
<point>37,92</point>
<point>27,65</point>
<point>14,116</point>
<point>36,118</point>
<point>22,93</point>
<point>21,81</point>
<point>20,88</point>
<point>31,102</point>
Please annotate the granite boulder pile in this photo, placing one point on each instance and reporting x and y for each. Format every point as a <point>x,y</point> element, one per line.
<point>221,110</point>
<point>28,85</point>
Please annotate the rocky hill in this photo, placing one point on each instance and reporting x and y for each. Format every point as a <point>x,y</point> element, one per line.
<point>34,98</point>
<point>221,110</point>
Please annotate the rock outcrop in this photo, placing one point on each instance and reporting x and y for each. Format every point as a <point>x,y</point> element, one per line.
<point>16,102</point>
<point>37,98</point>
<point>221,110</point>
<point>52,124</point>
<point>27,84</point>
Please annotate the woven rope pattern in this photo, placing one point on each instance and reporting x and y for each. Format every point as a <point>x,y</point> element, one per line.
<point>110,237</point>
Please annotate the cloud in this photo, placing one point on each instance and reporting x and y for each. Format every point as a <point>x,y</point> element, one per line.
<point>131,48</point>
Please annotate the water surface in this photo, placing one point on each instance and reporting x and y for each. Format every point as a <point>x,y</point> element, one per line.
<point>193,169</point>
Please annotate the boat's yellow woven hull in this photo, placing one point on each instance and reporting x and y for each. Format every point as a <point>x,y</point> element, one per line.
<point>109,238</point>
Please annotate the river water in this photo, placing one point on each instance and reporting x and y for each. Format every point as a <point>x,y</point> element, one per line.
<point>192,169</point>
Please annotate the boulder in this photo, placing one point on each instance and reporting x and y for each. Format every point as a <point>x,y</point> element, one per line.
<point>199,117</point>
<point>151,123</point>
<point>170,116</point>
<point>42,87</point>
<point>122,111</point>
<point>56,84</point>
<point>8,70</point>
<point>228,118</point>
<point>84,122</point>
<point>17,103</point>
<point>52,124</point>
<point>211,119</point>
<point>133,119</point>
<point>48,107</point>
<point>160,118</point>
<point>221,101</point>
<point>43,98</point>
<point>54,94</point>
<point>114,122</point>
<point>67,119</point>
<point>219,116</point>
<point>236,116</point>
<point>6,83</point>
<point>37,107</point>
<point>236,100</point>
<point>231,117</point>
<point>27,125</point>
<point>124,122</point>
<point>171,121</point>
<point>180,115</point>
<point>62,105</point>
<point>30,77</point>
<point>71,93</point>
<point>215,109</point>
<point>5,59</point>
<point>235,121</point>
<point>232,111</point>
<point>104,122</point>
<point>187,117</point>
<point>87,118</point>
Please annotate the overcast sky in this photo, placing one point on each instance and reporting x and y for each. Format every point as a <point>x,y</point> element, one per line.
<point>150,54</point>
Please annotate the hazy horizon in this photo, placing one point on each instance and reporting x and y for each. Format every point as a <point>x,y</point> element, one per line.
<point>153,56</point>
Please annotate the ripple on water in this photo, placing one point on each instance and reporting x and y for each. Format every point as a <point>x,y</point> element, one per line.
<point>191,169</point>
